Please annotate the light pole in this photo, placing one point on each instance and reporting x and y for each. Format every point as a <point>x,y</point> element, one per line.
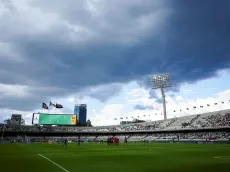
<point>161,81</point>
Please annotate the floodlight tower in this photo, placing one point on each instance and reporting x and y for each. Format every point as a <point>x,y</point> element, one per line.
<point>161,81</point>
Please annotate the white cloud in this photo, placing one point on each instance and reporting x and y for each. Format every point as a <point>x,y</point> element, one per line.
<point>70,99</point>
<point>141,96</point>
<point>112,109</point>
<point>178,103</point>
<point>180,99</point>
<point>188,92</point>
<point>6,113</point>
<point>224,95</point>
<point>188,103</point>
<point>138,92</point>
<point>107,114</point>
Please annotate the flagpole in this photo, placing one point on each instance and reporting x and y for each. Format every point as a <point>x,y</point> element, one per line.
<point>49,109</point>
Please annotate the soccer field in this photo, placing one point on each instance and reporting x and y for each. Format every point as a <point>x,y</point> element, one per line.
<point>135,157</point>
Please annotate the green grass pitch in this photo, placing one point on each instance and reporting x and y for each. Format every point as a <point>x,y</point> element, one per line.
<point>134,157</point>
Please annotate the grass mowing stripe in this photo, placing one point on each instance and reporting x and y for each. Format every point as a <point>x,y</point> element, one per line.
<point>135,157</point>
<point>53,163</point>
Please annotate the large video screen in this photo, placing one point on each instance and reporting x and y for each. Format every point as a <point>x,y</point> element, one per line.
<point>54,119</point>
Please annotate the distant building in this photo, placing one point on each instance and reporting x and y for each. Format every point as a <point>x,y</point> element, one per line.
<point>76,111</point>
<point>80,110</point>
<point>16,119</point>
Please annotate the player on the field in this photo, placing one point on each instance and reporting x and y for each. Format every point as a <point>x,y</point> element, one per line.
<point>126,141</point>
<point>78,141</point>
<point>118,141</point>
<point>114,140</point>
<point>65,142</point>
<point>108,141</point>
<point>143,140</point>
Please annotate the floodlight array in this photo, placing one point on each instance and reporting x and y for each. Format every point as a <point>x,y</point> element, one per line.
<point>160,81</point>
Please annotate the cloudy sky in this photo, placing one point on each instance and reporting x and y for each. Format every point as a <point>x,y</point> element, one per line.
<point>102,52</point>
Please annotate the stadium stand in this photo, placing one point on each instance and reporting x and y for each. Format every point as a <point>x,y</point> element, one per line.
<point>212,119</point>
<point>200,127</point>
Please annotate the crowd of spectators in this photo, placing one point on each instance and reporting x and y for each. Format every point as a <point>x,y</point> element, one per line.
<point>195,135</point>
<point>145,126</point>
<point>215,121</point>
<point>199,121</point>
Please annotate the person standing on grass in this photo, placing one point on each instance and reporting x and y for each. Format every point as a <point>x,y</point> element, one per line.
<point>108,141</point>
<point>78,141</point>
<point>114,140</point>
<point>111,140</point>
<point>65,142</point>
<point>143,141</point>
<point>126,141</point>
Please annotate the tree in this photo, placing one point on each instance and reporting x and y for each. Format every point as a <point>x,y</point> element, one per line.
<point>7,121</point>
<point>89,124</point>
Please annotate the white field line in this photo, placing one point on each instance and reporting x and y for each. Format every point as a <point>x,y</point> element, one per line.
<point>53,163</point>
<point>222,157</point>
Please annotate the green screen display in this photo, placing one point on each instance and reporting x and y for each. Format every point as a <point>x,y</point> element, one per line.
<point>54,119</point>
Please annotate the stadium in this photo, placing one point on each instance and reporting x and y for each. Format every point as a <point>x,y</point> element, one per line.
<point>191,143</point>
<point>115,86</point>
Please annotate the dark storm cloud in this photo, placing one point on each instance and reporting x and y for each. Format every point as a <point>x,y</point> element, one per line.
<point>70,48</point>
<point>142,107</point>
<point>23,99</point>
<point>6,114</point>
<point>102,93</point>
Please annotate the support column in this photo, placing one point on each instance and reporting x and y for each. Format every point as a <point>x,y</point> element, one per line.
<point>164,104</point>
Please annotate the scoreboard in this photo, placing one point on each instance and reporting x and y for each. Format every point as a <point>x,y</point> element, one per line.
<point>54,119</point>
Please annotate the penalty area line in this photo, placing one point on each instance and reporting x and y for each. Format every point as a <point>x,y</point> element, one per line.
<point>53,162</point>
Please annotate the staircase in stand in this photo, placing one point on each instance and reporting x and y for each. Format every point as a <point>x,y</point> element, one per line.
<point>95,138</point>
